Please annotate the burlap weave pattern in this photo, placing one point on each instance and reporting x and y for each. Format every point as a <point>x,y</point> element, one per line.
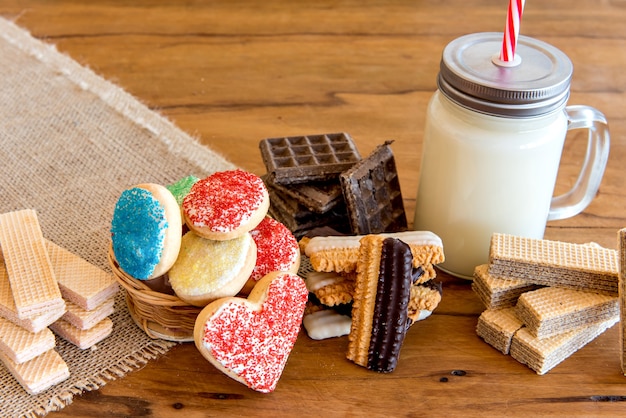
<point>70,142</point>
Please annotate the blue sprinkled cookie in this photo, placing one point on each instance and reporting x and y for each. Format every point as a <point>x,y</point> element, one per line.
<point>146,231</point>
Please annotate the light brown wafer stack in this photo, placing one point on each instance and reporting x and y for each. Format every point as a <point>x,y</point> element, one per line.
<point>497,327</point>
<point>89,293</point>
<point>40,373</point>
<point>21,345</point>
<point>541,355</point>
<point>498,292</point>
<point>33,283</point>
<point>553,263</point>
<point>621,245</point>
<point>552,310</point>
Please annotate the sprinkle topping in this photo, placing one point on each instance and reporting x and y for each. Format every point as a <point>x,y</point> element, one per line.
<point>225,200</point>
<point>277,248</point>
<point>256,344</point>
<point>138,232</point>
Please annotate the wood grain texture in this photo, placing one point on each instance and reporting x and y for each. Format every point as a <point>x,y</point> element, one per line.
<point>234,72</point>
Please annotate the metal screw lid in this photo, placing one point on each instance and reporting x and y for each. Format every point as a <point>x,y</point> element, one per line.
<point>537,85</point>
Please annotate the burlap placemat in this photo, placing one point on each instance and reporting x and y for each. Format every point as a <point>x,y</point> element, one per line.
<point>70,142</point>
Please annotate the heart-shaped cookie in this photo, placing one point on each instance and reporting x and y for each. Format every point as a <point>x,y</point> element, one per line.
<point>250,339</point>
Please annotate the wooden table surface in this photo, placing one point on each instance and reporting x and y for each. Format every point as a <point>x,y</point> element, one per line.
<point>234,72</point>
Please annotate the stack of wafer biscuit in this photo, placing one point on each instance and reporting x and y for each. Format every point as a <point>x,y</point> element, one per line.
<point>321,180</point>
<point>545,299</point>
<point>33,299</point>
<point>357,276</point>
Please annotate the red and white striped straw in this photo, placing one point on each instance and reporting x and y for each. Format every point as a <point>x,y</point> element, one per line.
<point>511,30</point>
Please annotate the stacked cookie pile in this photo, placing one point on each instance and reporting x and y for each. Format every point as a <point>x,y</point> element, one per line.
<point>321,180</point>
<point>545,299</point>
<point>45,288</point>
<point>387,280</point>
<point>209,242</point>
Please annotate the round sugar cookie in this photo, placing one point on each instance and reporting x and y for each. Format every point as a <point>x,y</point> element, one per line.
<point>226,204</point>
<point>146,231</point>
<point>277,250</point>
<point>210,269</point>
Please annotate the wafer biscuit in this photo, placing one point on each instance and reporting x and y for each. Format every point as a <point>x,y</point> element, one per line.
<point>552,310</point>
<point>497,327</point>
<point>554,263</point>
<point>40,373</point>
<point>33,283</point>
<point>80,282</point>
<point>84,319</point>
<point>621,245</point>
<point>83,339</point>
<point>423,300</point>
<point>542,355</point>
<point>380,308</point>
<point>340,253</point>
<point>21,345</point>
<point>498,292</point>
<point>8,311</point>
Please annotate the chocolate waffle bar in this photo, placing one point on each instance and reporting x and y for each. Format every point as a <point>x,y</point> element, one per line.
<point>380,319</point>
<point>316,196</point>
<point>371,189</point>
<point>300,159</point>
<point>553,263</point>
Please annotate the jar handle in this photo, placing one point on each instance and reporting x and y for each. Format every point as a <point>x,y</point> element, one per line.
<point>578,198</point>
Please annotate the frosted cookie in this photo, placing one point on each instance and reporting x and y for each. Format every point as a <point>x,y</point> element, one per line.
<point>326,323</point>
<point>35,323</point>
<point>226,204</point>
<point>181,188</point>
<point>80,282</point>
<point>541,355</point>
<point>551,310</point>
<point>497,327</point>
<point>554,263</point>
<point>498,292</point>
<point>146,230</point>
<point>83,338</point>
<point>380,319</point>
<point>340,253</point>
<point>40,373</point>
<point>32,280</point>
<point>276,250</point>
<point>208,269</point>
<point>21,345</point>
<point>250,339</point>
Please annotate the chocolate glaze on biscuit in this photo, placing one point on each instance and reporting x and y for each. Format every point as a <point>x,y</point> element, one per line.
<point>391,321</point>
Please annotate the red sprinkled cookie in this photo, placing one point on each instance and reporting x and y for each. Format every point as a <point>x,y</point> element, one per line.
<point>250,339</point>
<point>277,250</point>
<point>226,204</point>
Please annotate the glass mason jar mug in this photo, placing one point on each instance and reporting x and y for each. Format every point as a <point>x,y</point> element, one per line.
<point>493,141</point>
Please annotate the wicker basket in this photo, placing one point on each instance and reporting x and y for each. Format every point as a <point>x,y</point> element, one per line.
<point>160,315</point>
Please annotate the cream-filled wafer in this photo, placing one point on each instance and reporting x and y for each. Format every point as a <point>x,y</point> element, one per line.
<point>83,339</point>
<point>542,355</point>
<point>33,283</point>
<point>498,292</point>
<point>340,253</point>
<point>40,373</point>
<point>621,245</point>
<point>35,323</point>
<point>497,327</point>
<point>21,345</point>
<point>80,282</point>
<point>552,310</point>
<point>84,319</point>
<point>380,319</point>
<point>554,263</point>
